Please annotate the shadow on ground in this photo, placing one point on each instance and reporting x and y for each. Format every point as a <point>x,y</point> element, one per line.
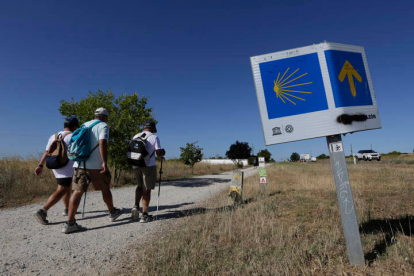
<point>123,219</point>
<point>194,182</point>
<point>390,227</point>
<point>170,214</point>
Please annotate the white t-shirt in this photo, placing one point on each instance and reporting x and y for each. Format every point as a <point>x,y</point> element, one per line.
<point>99,131</point>
<point>67,170</point>
<point>153,144</point>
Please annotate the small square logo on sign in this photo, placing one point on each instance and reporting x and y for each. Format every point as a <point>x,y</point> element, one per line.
<point>262,179</point>
<point>336,147</point>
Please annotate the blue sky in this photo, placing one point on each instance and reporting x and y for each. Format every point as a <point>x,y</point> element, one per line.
<point>191,58</point>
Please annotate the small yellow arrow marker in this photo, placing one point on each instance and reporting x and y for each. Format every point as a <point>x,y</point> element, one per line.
<point>348,70</point>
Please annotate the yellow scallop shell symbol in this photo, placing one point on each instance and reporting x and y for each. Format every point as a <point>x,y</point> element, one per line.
<point>281,91</point>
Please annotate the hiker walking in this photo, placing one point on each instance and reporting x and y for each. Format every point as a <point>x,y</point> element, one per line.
<point>146,173</point>
<point>55,157</point>
<point>94,170</point>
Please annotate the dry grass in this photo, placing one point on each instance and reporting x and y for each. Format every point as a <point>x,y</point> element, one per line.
<point>295,230</point>
<point>19,185</point>
<point>174,169</point>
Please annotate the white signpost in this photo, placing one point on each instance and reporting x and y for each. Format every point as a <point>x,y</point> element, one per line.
<point>322,90</point>
<point>262,175</point>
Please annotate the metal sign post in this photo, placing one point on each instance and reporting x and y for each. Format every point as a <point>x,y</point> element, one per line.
<point>345,200</point>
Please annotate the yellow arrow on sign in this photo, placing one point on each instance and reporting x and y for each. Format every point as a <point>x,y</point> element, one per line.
<point>348,70</point>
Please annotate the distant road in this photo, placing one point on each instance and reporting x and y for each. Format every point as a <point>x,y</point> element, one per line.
<point>28,248</point>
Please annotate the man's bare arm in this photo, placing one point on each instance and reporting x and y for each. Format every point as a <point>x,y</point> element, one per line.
<point>38,171</point>
<point>103,150</point>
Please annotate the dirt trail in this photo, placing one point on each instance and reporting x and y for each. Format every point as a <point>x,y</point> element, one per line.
<point>28,248</point>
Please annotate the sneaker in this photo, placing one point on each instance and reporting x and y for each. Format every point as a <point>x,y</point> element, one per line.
<point>145,218</point>
<point>41,215</point>
<point>65,213</point>
<point>115,214</point>
<point>135,212</point>
<point>71,228</point>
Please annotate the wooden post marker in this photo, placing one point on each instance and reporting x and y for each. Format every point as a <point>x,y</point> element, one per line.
<point>236,187</point>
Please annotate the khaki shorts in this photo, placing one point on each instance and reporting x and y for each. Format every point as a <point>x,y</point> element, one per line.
<point>146,177</point>
<point>99,181</point>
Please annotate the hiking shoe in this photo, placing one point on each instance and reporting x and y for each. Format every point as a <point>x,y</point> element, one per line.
<point>115,214</point>
<point>71,228</point>
<point>65,213</point>
<point>145,218</point>
<point>41,215</point>
<point>135,212</point>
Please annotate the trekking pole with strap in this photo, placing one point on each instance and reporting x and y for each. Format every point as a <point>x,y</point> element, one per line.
<point>84,202</point>
<point>88,180</point>
<point>159,190</point>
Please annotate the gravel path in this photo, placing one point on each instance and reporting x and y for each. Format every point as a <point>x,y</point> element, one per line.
<point>28,248</point>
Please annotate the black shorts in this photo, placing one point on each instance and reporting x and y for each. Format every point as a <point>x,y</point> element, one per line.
<point>65,182</point>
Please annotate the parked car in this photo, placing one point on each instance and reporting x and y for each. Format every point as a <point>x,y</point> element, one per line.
<point>368,155</point>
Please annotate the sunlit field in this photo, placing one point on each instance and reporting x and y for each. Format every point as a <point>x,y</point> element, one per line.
<point>295,229</point>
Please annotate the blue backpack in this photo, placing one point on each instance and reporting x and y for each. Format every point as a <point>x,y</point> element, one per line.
<point>79,148</point>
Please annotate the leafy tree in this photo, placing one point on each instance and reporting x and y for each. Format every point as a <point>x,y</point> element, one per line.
<point>264,153</point>
<point>127,115</point>
<point>237,151</point>
<point>191,155</point>
<point>295,157</point>
<point>322,156</point>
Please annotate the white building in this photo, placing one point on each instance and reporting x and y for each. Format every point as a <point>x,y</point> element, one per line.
<point>305,157</point>
<point>224,161</point>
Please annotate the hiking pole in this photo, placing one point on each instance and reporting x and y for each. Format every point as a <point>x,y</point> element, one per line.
<point>86,191</point>
<point>84,201</point>
<point>159,190</point>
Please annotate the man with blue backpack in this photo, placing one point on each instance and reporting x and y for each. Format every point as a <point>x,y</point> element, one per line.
<point>89,148</point>
<point>55,158</point>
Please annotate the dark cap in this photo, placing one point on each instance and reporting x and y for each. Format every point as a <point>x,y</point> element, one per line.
<point>150,125</point>
<point>72,120</point>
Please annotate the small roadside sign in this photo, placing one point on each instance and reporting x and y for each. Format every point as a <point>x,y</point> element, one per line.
<point>263,180</point>
<point>262,171</point>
